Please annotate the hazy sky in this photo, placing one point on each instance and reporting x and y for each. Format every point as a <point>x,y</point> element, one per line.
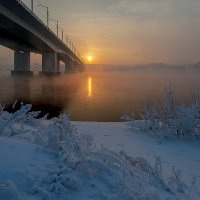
<point>130,31</point>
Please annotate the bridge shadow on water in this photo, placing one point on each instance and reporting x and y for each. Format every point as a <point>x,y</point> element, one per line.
<point>50,95</point>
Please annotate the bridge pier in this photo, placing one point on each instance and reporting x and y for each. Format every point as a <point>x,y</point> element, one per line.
<point>73,66</point>
<point>21,63</point>
<point>50,64</point>
<point>23,32</point>
<point>80,67</point>
<point>69,66</point>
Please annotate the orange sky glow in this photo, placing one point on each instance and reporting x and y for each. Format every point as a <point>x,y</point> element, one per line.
<point>127,31</point>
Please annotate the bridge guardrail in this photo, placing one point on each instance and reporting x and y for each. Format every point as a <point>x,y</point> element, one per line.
<point>44,25</point>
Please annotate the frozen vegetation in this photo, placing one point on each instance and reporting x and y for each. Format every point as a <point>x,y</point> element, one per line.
<point>169,118</point>
<point>50,159</point>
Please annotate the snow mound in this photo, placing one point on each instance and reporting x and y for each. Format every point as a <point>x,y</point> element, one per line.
<point>8,191</point>
<point>83,171</point>
<point>170,117</point>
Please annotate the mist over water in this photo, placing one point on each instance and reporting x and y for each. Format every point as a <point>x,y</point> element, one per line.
<point>98,94</point>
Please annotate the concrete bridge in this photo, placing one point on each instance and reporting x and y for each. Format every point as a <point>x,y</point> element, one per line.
<point>22,31</point>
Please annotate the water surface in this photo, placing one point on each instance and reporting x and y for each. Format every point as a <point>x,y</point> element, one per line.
<point>93,95</point>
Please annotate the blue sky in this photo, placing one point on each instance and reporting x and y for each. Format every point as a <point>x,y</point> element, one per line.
<point>130,31</point>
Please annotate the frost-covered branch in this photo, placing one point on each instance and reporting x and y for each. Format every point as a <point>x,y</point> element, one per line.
<point>171,117</point>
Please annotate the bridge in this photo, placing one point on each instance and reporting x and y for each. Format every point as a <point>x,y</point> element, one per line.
<point>22,31</point>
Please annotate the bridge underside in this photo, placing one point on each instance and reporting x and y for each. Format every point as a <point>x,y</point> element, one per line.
<point>21,32</point>
<point>50,63</point>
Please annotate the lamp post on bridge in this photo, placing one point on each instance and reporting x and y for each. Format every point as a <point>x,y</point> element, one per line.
<point>70,43</point>
<point>56,24</point>
<point>47,13</point>
<point>62,33</point>
<point>32,5</point>
<point>67,40</point>
<point>72,46</point>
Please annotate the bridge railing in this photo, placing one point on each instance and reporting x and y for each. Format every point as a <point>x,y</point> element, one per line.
<point>44,25</point>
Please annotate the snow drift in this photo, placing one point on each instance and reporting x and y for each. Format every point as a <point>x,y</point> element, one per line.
<point>81,171</point>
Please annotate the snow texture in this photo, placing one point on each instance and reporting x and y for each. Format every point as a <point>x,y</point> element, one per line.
<point>49,159</point>
<point>171,117</point>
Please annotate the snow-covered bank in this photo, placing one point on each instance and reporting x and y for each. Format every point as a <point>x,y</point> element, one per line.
<point>182,154</point>
<point>51,160</point>
<point>21,165</point>
<point>117,136</point>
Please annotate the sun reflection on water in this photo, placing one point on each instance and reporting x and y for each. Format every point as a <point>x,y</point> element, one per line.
<point>89,86</point>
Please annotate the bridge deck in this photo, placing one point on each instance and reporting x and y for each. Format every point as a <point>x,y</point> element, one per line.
<point>21,29</point>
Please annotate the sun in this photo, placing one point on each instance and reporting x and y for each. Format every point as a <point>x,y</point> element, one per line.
<point>89,58</point>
